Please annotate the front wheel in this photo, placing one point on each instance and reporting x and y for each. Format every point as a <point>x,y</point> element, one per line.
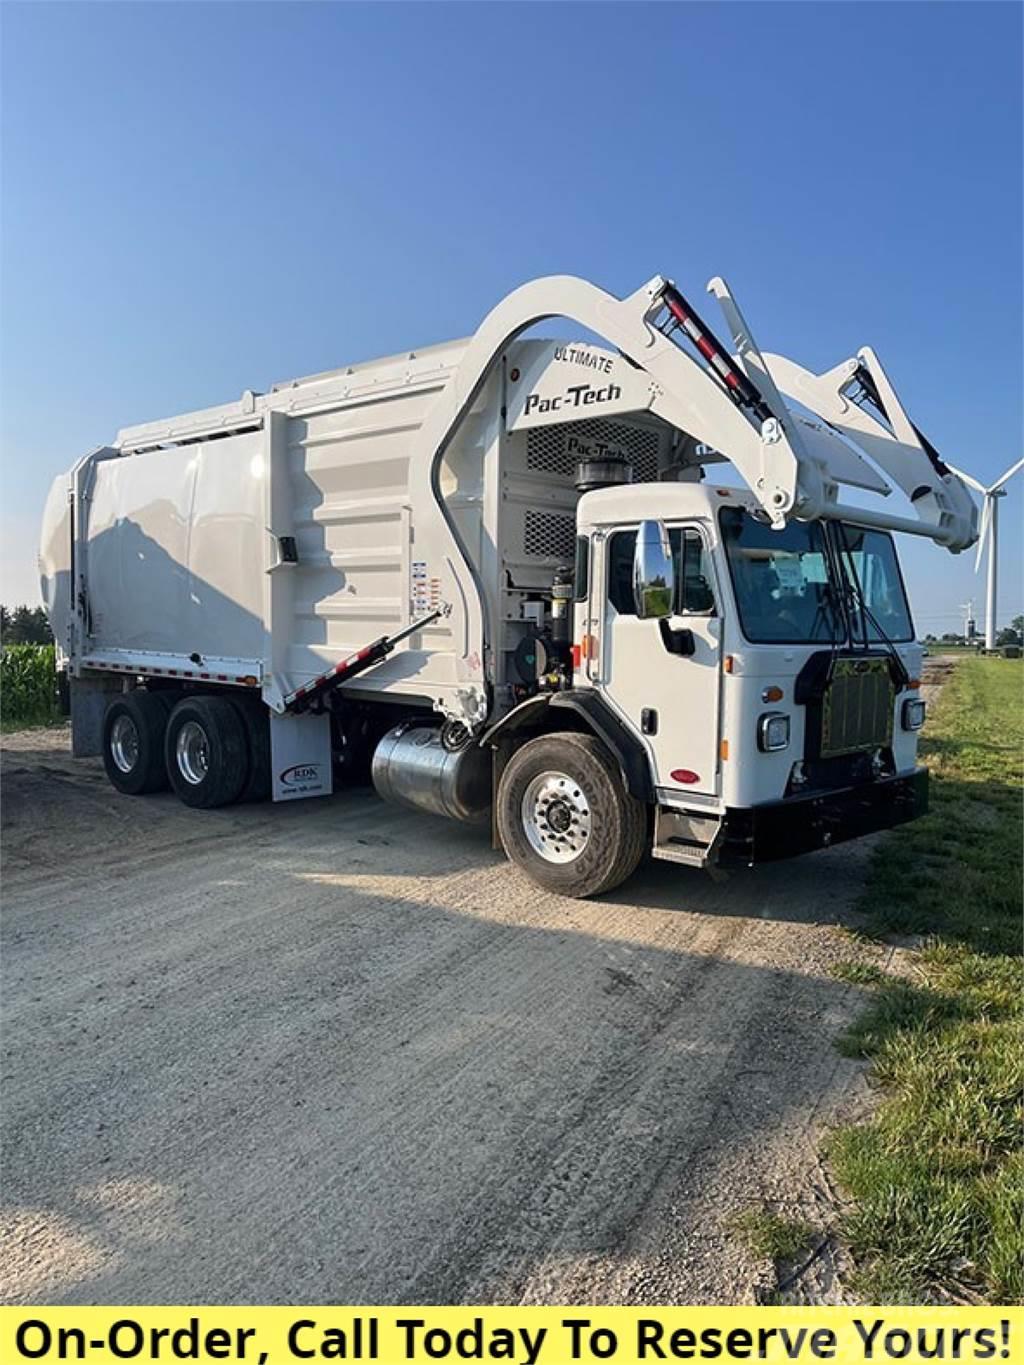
<point>565,817</point>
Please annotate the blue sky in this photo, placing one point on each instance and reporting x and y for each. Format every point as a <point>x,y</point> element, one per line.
<point>202,198</point>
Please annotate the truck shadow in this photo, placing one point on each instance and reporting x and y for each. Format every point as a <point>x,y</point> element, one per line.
<point>144,598</point>
<point>828,881</point>
<point>820,889</point>
<point>303,1078</point>
<point>336,1052</point>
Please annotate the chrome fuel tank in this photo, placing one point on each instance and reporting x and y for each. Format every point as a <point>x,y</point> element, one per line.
<point>411,767</point>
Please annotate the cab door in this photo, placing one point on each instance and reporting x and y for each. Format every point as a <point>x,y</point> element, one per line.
<point>670,698</point>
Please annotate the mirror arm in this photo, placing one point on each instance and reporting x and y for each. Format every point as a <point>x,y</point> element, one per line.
<point>677,640</point>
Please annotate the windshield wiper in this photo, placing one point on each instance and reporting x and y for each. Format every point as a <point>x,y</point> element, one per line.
<point>842,621</point>
<point>868,616</point>
<point>828,609</point>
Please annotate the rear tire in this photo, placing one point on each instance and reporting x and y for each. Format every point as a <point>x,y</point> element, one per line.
<point>256,720</point>
<point>565,817</point>
<point>206,752</point>
<point>133,742</point>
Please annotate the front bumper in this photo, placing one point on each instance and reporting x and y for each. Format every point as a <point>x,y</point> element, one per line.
<point>801,824</point>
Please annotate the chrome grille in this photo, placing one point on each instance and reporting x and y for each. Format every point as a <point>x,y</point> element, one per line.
<point>857,709</point>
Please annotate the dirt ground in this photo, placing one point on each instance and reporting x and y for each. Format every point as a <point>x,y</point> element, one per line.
<point>333,1052</point>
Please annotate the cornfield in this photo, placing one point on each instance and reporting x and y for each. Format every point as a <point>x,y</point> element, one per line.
<point>28,686</point>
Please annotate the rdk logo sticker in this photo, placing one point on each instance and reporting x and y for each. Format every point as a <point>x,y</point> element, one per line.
<point>300,774</point>
<point>576,396</point>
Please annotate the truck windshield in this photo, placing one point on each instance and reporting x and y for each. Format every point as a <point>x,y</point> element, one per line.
<point>781,580</point>
<point>870,564</point>
<point>785,589</point>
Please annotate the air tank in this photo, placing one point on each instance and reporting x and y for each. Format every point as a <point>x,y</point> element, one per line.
<point>412,767</point>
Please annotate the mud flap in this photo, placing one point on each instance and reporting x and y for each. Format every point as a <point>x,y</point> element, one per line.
<point>300,756</point>
<point>90,697</point>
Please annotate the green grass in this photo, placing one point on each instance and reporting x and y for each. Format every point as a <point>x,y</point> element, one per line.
<point>858,973</point>
<point>958,871</point>
<point>28,687</point>
<point>937,1176</point>
<point>769,1235</point>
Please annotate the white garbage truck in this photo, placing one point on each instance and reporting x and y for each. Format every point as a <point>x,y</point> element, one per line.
<point>613,595</point>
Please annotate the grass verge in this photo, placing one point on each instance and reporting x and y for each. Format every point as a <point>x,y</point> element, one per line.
<point>937,1175</point>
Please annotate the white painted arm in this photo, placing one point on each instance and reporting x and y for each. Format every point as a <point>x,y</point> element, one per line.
<point>944,507</point>
<point>683,393</point>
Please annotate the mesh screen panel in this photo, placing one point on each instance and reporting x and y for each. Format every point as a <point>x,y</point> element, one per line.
<point>549,534</point>
<point>548,448</point>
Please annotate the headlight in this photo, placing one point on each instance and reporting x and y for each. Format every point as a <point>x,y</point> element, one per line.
<point>772,732</point>
<point>913,713</point>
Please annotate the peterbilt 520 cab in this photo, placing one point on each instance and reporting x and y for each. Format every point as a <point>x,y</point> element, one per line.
<point>610,596</point>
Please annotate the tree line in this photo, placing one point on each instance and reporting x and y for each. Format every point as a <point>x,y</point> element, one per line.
<point>24,626</point>
<point>1013,634</point>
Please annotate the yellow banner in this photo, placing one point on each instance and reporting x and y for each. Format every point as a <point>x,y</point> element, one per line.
<point>521,1336</point>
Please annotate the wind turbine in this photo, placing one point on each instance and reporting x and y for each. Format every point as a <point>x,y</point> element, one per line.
<point>990,527</point>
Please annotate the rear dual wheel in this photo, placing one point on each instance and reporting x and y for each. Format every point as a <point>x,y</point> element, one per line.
<point>210,750</point>
<point>133,742</point>
<point>206,752</point>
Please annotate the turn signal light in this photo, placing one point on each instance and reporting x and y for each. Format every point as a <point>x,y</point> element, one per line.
<point>772,694</point>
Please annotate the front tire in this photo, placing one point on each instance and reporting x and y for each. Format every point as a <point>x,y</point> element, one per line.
<point>565,817</point>
<point>133,742</point>
<point>206,752</point>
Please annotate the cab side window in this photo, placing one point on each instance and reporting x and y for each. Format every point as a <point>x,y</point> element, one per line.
<point>693,577</point>
<point>693,573</point>
<point>620,572</point>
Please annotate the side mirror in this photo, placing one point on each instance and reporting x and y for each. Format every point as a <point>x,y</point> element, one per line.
<point>654,575</point>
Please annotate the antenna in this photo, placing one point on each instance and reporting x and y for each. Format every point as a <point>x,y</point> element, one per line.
<point>990,530</point>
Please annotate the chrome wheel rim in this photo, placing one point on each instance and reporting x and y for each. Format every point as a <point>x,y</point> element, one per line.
<point>124,744</point>
<point>192,750</point>
<point>556,817</point>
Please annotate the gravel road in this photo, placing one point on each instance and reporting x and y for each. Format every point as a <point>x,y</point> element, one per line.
<point>332,1052</point>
